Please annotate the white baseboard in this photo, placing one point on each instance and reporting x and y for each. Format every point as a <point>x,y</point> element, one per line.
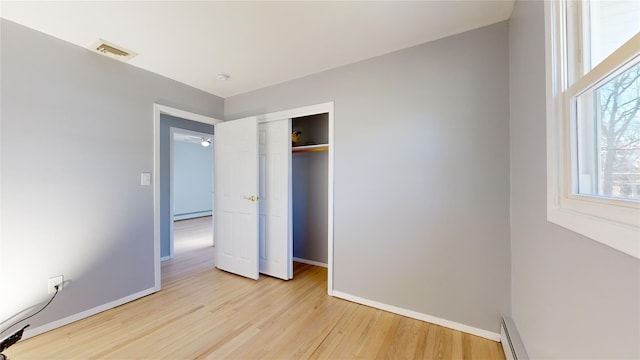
<point>419,316</point>
<point>85,314</point>
<point>310,262</point>
<point>165,258</point>
<point>193,215</point>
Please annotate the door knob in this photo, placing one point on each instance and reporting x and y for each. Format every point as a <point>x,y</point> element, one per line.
<point>251,198</point>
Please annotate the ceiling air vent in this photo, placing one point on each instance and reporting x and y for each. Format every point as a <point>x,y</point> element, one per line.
<point>111,50</point>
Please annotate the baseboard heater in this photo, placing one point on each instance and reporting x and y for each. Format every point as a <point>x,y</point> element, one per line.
<point>511,342</point>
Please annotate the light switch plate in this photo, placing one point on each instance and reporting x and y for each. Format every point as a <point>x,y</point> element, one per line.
<point>145,178</point>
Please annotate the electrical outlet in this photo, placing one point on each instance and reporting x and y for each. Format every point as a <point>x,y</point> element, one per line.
<point>56,280</point>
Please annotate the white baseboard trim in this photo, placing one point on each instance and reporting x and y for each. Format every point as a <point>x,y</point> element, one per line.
<point>193,215</point>
<point>85,314</point>
<point>310,262</point>
<point>419,316</point>
<point>165,258</point>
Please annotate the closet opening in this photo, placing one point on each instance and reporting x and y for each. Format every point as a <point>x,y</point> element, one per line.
<point>290,180</point>
<point>310,188</point>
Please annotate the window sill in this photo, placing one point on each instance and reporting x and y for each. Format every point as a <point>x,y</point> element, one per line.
<point>624,238</point>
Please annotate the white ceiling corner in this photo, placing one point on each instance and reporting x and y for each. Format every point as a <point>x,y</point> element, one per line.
<point>257,43</point>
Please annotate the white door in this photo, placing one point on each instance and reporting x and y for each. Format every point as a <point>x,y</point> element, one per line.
<point>276,248</point>
<point>236,197</point>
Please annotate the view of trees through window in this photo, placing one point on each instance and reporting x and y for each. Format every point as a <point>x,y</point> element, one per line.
<point>619,121</point>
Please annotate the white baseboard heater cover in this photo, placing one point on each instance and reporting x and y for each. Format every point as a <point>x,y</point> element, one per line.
<point>511,342</point>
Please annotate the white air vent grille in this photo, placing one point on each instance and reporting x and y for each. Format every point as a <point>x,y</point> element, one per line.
<point>111,50</point>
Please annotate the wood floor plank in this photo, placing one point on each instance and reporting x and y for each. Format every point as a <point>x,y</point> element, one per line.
<point>205,313</point>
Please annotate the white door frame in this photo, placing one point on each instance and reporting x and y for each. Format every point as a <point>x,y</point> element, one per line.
<point>157,110</point>
<point>306,111</point>
<point>172,132</point>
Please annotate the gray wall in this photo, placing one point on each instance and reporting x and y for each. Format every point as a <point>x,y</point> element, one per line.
<point>192,180</point>
<point>76,132</point>
<point>309,178</point>
<point>421,173</point>
<point>166,123</point>
<point>571,296</point>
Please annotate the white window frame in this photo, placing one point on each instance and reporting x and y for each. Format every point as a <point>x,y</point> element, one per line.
<point>613,222</point>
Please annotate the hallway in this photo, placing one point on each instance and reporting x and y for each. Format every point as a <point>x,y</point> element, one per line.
<point>193,249</point>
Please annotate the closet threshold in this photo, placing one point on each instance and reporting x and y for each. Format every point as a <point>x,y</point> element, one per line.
<point>309,148</point>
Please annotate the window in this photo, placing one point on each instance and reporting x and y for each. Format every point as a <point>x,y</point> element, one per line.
<point>607,125</point>
<point>593,120</point>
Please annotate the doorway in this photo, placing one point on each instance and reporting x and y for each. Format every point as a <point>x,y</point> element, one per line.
<point>164,118</point>
<point>190,186</point>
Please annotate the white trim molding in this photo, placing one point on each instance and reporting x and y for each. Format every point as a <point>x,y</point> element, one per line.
<point>85,314</point>
<point>420,316</point>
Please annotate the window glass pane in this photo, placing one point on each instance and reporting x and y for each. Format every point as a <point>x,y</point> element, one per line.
<point>610,24</point>
<point>608,137</point>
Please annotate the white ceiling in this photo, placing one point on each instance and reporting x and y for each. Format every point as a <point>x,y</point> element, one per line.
<point>257,43</point>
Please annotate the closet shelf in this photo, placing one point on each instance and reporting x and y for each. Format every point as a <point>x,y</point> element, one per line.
<point>309,148</point>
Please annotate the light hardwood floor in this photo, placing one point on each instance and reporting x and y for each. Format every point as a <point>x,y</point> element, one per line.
<point>205,313</point>
<point>193,249</point>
